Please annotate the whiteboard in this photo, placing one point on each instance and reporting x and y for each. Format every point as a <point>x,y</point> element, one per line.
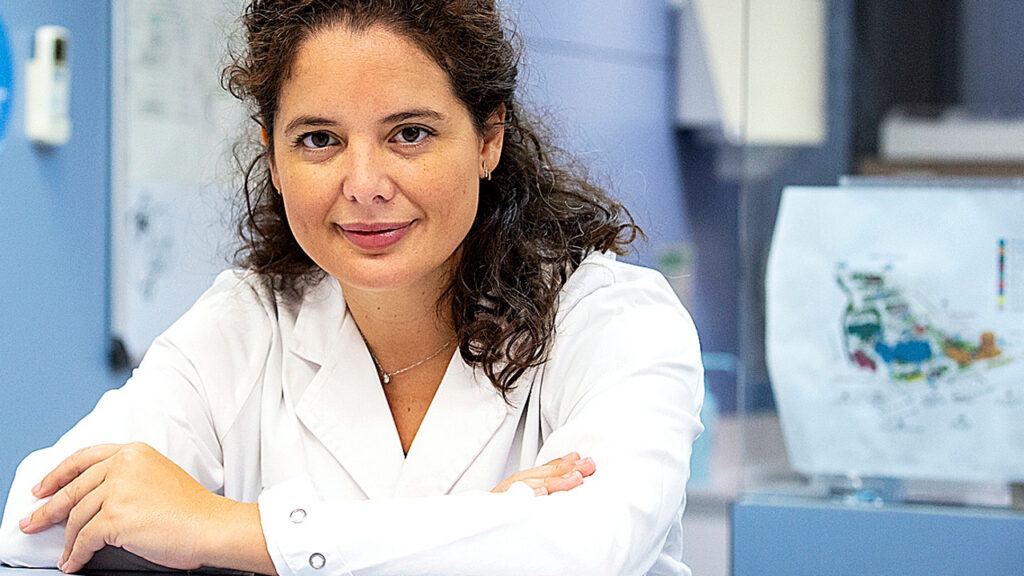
<point>172,132</point>
<point>894,331</point>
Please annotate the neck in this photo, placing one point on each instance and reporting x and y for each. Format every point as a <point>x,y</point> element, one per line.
<point>401,326</point>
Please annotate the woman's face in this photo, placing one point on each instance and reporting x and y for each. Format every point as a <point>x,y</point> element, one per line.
<point>377,160</point>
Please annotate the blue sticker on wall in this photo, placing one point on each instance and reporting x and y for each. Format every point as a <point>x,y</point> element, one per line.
<point>6,81</point>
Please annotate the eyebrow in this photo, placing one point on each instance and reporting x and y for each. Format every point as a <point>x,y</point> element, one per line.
<point>307,120</point>
<point>414,113</point>
<point>310,120</point>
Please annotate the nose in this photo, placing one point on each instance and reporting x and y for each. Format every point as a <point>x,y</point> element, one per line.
<point>366,179</point>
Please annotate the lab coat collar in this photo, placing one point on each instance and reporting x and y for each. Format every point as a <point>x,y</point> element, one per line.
<point>346,409</point>
<point>464,416</point>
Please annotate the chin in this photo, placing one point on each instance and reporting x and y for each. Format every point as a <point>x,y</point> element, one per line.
<point>397,272</point>
<point>372,284</point>
<point>377,278</point>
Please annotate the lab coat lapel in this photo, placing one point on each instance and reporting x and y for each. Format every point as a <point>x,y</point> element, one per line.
<point>345,408</point>
<point>463,417</point>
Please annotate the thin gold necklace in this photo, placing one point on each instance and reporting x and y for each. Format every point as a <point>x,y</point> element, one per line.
<point>386,376</point>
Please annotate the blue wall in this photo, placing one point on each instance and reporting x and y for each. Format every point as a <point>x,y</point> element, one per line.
<point>53,234</point>
<point>606,73</point>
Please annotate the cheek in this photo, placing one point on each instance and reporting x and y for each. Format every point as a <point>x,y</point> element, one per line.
<point>304,195</point>
<point>448,191</point>
<point>462,207</point>
<point>305,217</point>
<point>296,223</point>
<point>471,207</point>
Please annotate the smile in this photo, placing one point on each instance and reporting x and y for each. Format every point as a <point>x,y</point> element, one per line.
<point>374,235</point>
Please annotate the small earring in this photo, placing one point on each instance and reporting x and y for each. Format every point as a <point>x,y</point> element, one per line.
<point>487,173</point>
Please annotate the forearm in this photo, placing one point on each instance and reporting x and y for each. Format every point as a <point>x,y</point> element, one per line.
<point>235,539</point>
<point>593,529</point>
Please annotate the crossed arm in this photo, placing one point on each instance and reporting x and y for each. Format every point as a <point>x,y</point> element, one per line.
<point>630,399</point>
<point>132,497</point>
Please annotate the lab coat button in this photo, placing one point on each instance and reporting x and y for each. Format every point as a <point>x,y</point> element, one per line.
<point>317,560</point>
<point>297,516</point>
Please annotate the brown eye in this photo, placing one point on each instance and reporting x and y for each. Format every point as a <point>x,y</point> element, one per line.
<point>411,134</point>
<point>317,140</point>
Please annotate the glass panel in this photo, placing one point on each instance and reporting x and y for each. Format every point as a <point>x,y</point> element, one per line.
<point>883,96</point>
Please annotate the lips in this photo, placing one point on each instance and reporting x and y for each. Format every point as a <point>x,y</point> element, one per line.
<point>374,236</point>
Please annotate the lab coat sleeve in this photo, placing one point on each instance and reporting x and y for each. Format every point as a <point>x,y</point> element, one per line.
<point>624,386</point>
<point>164,404</point>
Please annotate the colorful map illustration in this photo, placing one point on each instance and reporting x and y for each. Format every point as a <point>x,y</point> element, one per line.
<point>884,329</point>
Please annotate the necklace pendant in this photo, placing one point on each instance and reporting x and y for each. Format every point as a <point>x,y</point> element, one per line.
<point>387,378</point>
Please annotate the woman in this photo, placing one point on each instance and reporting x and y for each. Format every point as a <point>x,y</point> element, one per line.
<point>426,332</point>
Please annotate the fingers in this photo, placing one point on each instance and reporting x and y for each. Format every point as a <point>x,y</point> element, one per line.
<point>570,478</point>
<point>72,467</point>
<point>59,507</point>
<point>80,516</point>
<point>558,475</point>
<point>552,484</point>
<point>570,457</point>
<point>91,538</point>
<point>586,467</point>
<point>561,475</point>
<point>562,467</point>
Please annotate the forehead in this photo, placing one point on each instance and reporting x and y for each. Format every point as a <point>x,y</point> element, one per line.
<point>374,66</point>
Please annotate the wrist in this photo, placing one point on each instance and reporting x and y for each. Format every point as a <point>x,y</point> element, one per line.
<point>235,540</point>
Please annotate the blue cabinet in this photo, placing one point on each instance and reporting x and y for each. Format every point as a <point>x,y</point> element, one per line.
<point>805,536</point>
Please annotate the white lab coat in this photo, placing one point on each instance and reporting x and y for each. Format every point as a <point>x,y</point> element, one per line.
<point>279,403</point>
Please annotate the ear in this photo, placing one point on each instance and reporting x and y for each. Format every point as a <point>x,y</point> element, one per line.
<point>265,138</point>
<point>493,139</point>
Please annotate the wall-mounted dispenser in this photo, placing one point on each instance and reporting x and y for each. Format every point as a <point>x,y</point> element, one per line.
<point>48,88</point>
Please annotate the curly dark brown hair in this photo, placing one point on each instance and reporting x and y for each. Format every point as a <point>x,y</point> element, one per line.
<point>538,217</point>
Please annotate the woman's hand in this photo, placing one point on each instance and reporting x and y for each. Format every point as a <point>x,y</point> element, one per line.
<point>132,497</point>
<point>558,475</point>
